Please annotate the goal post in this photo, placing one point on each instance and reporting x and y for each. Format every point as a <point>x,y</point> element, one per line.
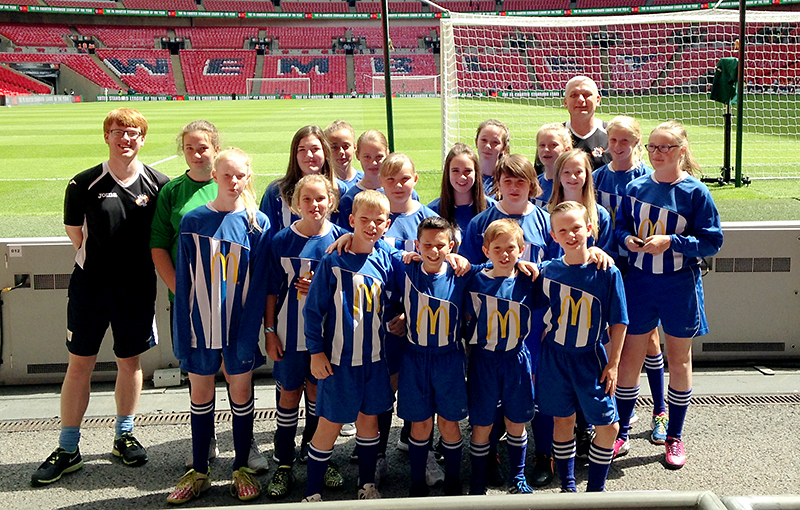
<point>406,84</point>
<point>277,86</point>
<point>654,67</point>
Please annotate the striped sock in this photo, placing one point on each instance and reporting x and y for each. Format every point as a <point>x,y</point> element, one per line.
<point>243,415</point>
<point>564,455</point>
<point>478,454</point>
<point>654,367</point>
<point>367,458</point>
<point>599,462</point>
<point>284,435</point>
<point>678,405</point>
<point>317,465</point>
<point>517,449</point>
<point>202,419</point>
<point>626,401</point>
<point>312,420</point>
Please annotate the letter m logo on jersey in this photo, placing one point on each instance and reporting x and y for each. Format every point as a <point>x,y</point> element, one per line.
<point>397,65</point>
<point>297,66</point>
<point>223,67</point>
<point>128,67</point>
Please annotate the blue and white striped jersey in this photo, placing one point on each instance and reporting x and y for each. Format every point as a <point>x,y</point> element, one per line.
<point>278,211</point>
<point>500,311</point>
<point>462,215</point>
<point>346,203</point>
<point>434,304</point>
<point>402,233</point>
<point>220,260</point>
<point>547,190</point>
<point>583,302</point>
<point>345,306</point>
<point>684,210</point>
<point>539,245</point>
<point>293,256</point>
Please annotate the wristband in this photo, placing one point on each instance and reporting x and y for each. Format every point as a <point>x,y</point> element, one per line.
<point>269,329</point>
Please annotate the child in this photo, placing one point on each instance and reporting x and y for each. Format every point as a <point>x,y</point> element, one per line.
<point>573,182</point>
<point>199,143</point>
<point>342,139</point>
<point>499,320</point>
<point>344,331</point>
<point>310,154</point>
<point>552,140</point>
<point>516,184</point>
<point>398,178</point>
<point>574,370</point>
<point>624,145</point>
<point>219,265</point>
<point>294,254</point>
<point>432,370</point>
<point>491,139</point>
<point>667,222</point>
<point>461,200</point>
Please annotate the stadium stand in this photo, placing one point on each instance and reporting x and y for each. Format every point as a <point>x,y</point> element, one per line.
<point>239,5</point>
<point>689,72</point>
<point>299,6</point>
<point>19,2</point>
<point>466,5</point>
<point>554,66</point>
<point>491,71</point>
<point>327,73</point>
<point>175,5</point>
<point>124,37</point>
<point>366,66</point>
<point>217,71</point>
<point>375,7</point>
<point>81,64</point>
<point>636,71</point>
<point>15,84</point>
<point>304,37</point>
<point>671,2</point>
<point>534,5</point>
<point>556,36</point>
<point>401,36</point>
<point>94,4</point>
<point>35,35</point>
<point>217,37</point>
<point>594,4</point>
<point>145,71</point>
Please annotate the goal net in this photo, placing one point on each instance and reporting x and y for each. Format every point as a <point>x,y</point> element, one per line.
<point>277,86</point>
<point>654,67</point>
<point>406,84</point>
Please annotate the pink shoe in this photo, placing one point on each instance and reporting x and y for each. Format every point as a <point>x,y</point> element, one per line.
<point>676,454</point>
<point>621,447</point>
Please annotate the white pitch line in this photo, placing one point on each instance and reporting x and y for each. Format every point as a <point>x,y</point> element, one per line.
<point>163,160</point>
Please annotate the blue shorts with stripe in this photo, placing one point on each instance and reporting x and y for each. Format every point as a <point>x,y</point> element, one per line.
<point>350,390</point>
<point>499,376</point>
<point>676,299</point>
<point>208,361</point>
<point>568,380</point>
<point>432,381</point>
<point>293,370</point>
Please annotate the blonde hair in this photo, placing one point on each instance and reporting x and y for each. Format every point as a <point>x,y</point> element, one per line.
<point>570,205</point>
<point>372,136</point>
<point>371,198</point>
<point>504,226</point>
<point>248,196</point>
<point>678,133</point>
<point>202,126</point>
<point>333,192</point>
<point>127,117</point>
<point>587,195</point>
<point>339,125</point>
<point>517,165</point>
<point>558,129</point>
<point>393,163</point>
<point>505,137</point>
<point>630,126</point>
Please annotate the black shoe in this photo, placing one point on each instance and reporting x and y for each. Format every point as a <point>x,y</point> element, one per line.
<point>60,462</point>
<point>282,483</point>
<point>494,475</point>
<point>131,451</point>
<point>583,441</point>
<point>542,471</point>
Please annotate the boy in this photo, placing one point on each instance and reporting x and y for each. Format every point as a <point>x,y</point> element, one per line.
<point>574,370</point>
<point>344,333</point>
<point>432,367</point>
<point>499,316</point>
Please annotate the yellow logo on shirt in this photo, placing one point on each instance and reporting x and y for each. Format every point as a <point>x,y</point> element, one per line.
<point>371,294</point>
<point>648,228</point>
<point>433,318</point>
<point>502,319</point>
<point>223,262</point>
<point>569,305</point>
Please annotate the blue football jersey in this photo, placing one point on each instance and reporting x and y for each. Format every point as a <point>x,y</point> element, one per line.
<point>462,215</point>
<point>684,210</point>
<point>610,188</point>
<point>218,270</point>
<point>278,211</point>
<point>402,233</point>
<point>346,203</point>
<point>583,302</point>
<point>547,190</point>
<point>500,311</point>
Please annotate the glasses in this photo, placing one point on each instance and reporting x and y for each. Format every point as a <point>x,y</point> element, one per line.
<point>119,133</point>
<point>663,149</point>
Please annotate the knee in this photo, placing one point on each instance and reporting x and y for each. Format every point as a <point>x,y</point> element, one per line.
<point>130,365</point>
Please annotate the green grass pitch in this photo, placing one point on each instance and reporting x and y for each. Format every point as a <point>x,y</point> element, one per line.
<point>43,146</point>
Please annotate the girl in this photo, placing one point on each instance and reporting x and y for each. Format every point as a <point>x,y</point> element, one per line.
<point>294,254</point>
<point>310,154</point>
<point>461,200</point>
<point>371,149</point>
<point>552,140</point>
<point>491,140</point>
<point>573,181</point>
<point>624,145</point>
<point>342,139</point>
<point>220,256</point>
<point>199,143</point>
<point>667,222</point>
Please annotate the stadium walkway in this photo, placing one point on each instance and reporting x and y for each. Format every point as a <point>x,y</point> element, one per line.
<point>742,439</point>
